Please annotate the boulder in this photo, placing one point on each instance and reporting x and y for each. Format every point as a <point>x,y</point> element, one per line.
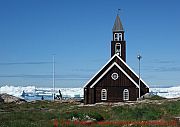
<point>6,98</point>
<point>147,96</point>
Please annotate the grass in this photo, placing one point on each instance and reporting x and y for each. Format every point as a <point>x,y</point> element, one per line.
<point>156,97</point>
<point>43,113</point>
<point>138,113</point>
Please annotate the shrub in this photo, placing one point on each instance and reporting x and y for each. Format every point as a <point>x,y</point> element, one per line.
<point>83,116</point>
<point>96,116</point>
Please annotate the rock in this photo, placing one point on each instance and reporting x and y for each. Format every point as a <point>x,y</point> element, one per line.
<point>6,98</point>
<point>89,119</point>
<point>70,101</point>
<point>74,118</point>
<point>146,96</point>
<point>1,100</point>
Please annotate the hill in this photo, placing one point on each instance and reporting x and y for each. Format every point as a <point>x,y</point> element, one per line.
<point>48,113</point>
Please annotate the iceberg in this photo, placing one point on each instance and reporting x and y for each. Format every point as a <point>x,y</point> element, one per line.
<point>36,93</point>
<point>17,91</point>
<point>171,92</point>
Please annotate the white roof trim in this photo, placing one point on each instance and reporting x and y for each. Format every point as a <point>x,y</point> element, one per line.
<point>131,69</point>
<point>99,71</point>
<point>114,64</point>
<point>118,65</point>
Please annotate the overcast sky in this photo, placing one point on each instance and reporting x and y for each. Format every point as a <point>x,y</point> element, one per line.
<point>79,33</point>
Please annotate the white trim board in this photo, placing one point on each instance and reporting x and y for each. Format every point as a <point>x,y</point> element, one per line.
<point>114,64</point>
<point>99,71</point>
<point>131,70</point>
<point>118,65</point>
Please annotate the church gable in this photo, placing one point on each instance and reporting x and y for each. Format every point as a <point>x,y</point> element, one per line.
<point>108,75</point>
<point>115,76</point>
<point>100,72</point>
<point>129,72</point>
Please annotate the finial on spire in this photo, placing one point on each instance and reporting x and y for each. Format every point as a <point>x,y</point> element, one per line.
<point>117,24</point>
<point>119,10</point>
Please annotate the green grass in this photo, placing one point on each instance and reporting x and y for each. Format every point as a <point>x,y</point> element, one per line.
<point>43,113</point>
<point>138,113</point>
<point>156,97</point>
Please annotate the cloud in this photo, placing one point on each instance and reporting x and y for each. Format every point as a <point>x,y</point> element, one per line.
<point>24,63</point>
<point>84,70</point>
<point>162,65</point>
<point>161,68</point>
<point>58,77</point>
<point>163,61</point>
<point>167,69</point>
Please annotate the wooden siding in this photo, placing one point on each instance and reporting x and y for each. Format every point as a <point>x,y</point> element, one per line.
<point>121,81</point>
<point>144,88</point>
<point>115,94</point>
<point>115,88</point>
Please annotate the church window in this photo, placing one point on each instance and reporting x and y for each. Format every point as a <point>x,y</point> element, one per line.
<point>118,37</point>
<point>114,76</point>
<point>118,49</point>
<point>103,94</point>
<point>126,95</point>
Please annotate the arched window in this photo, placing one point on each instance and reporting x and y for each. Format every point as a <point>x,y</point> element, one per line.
<point>103,94</point>
<point>118,49</point>
<point>126,95</point>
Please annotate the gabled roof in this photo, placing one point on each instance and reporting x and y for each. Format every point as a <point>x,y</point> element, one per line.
<point>117,25</point>
<point>114,64</point>
<point>107,66</point>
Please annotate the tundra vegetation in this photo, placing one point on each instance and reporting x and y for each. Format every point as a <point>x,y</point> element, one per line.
<point>48,113</point>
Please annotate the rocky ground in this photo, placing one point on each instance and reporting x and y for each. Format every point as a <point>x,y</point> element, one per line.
<point>6,98</point>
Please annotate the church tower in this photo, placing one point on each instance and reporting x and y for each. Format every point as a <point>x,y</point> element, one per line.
<point>115,81</point>
<point>118,44</point>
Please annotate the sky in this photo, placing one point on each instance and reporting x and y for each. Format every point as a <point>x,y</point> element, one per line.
<point>79,33</point>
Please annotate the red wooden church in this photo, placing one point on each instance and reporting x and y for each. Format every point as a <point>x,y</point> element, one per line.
<point>115,81</point>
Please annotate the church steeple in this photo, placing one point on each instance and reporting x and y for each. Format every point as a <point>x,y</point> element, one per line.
<point>117,25</point>
<point>118,44</point>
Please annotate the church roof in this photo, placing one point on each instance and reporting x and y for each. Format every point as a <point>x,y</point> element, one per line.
<point>115,61</point>
<point>117,25</point>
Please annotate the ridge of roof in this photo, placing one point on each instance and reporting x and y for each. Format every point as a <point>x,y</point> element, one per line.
<point>115,55</point>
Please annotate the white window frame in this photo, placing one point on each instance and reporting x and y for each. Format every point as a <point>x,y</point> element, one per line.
<point>117,36</point>
<point>118,52</point>
<point>114,78</point>
<point>104,94</point>
<point>126,95</point>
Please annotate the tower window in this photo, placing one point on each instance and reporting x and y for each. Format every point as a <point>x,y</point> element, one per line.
<point>126,95</point>
<point>118,37</point>
<point>118,49</point>
<point>104,94</point>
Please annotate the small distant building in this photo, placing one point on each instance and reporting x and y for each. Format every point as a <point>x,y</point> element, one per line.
<point>115,81</point>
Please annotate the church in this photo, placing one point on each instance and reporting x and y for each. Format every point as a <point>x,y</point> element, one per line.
<point>115,81</point>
